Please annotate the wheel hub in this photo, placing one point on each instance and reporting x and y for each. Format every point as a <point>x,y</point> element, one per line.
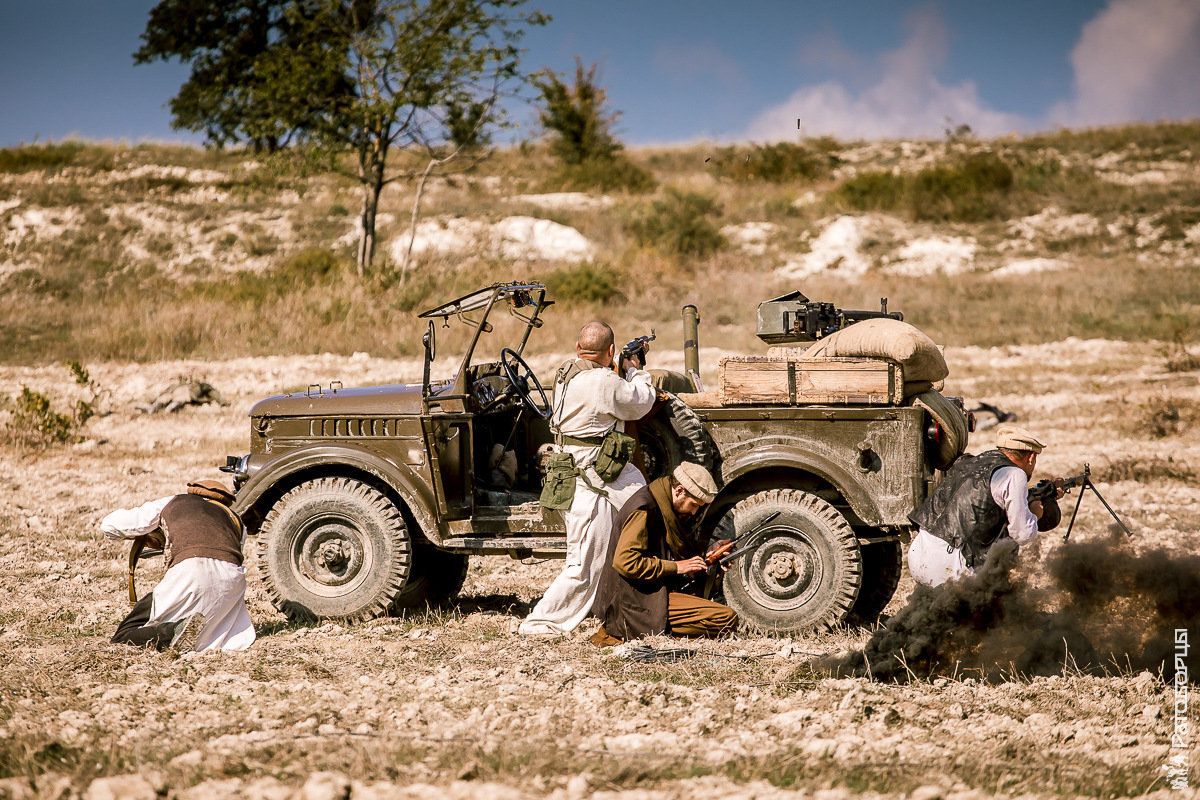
<point>331,553</point>
<point>783,572</point>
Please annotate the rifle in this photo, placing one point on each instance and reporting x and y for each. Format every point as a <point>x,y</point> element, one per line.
<point>1046,489</point>
<point>137,552</point>
<point>723,554</point>
<point>635,347</point>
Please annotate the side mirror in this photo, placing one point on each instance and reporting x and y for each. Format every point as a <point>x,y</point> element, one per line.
<point>429,339</point>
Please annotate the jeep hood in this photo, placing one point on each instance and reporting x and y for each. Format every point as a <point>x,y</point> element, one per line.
<point>374,400</point>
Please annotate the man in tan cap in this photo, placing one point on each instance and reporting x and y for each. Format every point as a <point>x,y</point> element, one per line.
<point>979,499</point>
<point>651,560</point>
<point>200,603</point>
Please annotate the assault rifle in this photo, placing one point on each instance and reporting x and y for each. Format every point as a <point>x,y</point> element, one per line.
<point>1046,489</point>
<point>723,554</point>
<point>635,347</point>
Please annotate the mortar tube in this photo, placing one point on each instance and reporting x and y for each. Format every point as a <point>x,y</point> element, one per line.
<point>691,340</point>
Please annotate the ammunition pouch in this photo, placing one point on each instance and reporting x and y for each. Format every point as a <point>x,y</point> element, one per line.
<point>558,487</point>
<point>615,451</point>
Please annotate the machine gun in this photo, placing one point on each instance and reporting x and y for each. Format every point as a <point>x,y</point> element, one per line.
<point>723,554</point>
<point>635,347</point>
<point>1046,489</point>
<point>793,318</point>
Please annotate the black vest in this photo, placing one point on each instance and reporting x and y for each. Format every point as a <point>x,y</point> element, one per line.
<point>961,511</point>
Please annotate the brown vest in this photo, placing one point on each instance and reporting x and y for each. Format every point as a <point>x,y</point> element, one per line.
<point>632,608</point>
<point>199,528</point>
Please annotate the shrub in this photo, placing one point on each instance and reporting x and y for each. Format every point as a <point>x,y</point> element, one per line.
<point>34,157</point>
<point>605,174</point>
<point>590,156</point>
<point>778,162</point>
<point>974,189</point>
<point>583,283</point>
<point>1166,416</point>
<point>679,224</point>
<point>34,420</point>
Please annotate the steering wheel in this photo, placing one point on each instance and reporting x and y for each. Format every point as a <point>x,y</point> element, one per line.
<point>519,377</point>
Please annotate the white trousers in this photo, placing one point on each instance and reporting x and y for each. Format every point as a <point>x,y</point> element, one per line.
<point>932,563</point>
<point>568,600</point>
<point>214,588</point>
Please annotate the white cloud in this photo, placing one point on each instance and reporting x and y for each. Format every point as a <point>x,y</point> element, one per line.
<point>906,99</point>
<point>1136,60</point>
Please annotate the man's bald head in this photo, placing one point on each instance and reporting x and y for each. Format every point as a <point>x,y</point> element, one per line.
<point>595,343</point>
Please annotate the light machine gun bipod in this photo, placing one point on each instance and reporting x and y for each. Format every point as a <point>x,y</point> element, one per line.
<point>1047,488</point>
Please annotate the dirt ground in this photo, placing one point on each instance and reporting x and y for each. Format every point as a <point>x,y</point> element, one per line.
<point>456,704</point>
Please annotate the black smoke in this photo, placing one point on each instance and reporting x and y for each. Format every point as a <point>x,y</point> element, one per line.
<point>1104,610</point>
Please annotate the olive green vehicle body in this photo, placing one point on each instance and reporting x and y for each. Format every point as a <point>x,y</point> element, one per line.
<point>867,461</point>
<point>850,473</point>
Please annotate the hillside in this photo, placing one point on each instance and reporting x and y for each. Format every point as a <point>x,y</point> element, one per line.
<point>1087,234</point>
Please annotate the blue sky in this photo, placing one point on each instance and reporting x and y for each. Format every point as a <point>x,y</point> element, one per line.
<point>685,71</point>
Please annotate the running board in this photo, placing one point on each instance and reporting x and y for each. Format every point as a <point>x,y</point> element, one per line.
<point>510,546</point>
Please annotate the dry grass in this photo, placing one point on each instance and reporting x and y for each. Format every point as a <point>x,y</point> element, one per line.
<point>135,222</point>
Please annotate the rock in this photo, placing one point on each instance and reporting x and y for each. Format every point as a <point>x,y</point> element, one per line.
<point>325,786</point>
<point>577,787</point>
<point>927,792</point>
<point>1152,712</point>
<point>180,393</point>
<point>120,787</point>
<point>16,789</point>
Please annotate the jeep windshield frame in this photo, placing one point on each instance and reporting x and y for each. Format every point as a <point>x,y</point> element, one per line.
<point>516,295</point>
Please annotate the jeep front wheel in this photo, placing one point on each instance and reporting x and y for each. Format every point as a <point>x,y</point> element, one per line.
<point>805,569</point>
<point>334,548</point>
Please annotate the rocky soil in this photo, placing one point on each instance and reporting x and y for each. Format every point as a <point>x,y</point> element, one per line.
<point>456,704</point>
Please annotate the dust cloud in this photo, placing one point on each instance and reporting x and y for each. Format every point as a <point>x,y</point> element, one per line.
<point>1104,609</point>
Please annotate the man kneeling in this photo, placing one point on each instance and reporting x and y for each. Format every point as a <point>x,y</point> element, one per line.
<point>650,560</point>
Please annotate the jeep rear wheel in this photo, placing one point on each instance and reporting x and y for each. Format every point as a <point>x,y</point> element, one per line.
<point>435,579</point>
<point>804,572</point>
<point>334,548</point>
<point>881,566</point>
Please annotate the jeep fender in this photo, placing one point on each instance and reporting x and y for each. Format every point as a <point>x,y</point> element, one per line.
<point>341,460</point>
<point>781,451</point>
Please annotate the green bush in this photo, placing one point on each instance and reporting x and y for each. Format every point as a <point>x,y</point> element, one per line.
<point>606,174</point>
<point>778,162</point>
<point>679,224</point>
<point>584,283</point>
<point>34,420</point>
<point>973,189</point>
<point>34,157</point>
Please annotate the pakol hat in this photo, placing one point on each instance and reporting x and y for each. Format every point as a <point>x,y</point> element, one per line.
<point>696,481</point>
<point>1010,437</point>
<point>212,490</point>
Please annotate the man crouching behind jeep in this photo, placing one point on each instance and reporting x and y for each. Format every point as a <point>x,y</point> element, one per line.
<point>641,586</point>
<point>200,603</point>
<point>589,477</point>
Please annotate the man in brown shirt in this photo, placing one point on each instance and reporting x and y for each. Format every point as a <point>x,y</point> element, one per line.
<point>650,561</point>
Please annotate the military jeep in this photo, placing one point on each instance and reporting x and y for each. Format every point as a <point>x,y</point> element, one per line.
<point>367,501</point>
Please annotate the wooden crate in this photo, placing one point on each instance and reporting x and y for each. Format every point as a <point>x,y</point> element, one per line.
<point>745,380</point>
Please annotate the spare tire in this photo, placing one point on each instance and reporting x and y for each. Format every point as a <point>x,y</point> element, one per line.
<point>952,423</point>
<point>671,434</point>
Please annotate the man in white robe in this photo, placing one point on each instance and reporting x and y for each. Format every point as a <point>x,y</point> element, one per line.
<point>200,603</point>
<point>592,402</point>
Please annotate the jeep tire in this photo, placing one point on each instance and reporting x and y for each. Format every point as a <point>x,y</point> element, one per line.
<point>334,548</point>
<point>671,434</point>
<point>881,567</point>
<point>805,572</point>
<point>435,579</point>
